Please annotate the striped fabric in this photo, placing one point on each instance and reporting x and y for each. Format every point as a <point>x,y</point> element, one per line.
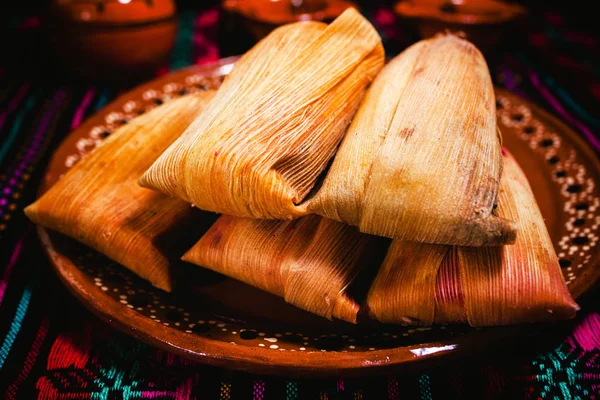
<point>51,348</point>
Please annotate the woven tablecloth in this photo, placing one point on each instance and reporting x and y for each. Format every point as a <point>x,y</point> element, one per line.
<point>51,347</point>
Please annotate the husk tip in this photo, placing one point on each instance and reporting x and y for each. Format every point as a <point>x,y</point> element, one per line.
<point>346,309</point>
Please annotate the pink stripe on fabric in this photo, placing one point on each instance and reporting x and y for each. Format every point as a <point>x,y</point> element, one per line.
<point>12,105</point>
<point>204,49</point>
<point>35,146</point>
<point>11,263</point>
<point>158,395</point>
<point>87,99</point>
<point>258,392</point>
<point>587,333</point>
<point>589,135</point>
<point>185,390</point>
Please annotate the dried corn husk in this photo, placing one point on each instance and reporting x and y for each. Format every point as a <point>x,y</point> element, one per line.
<point>427,283</point>
<point>275,122</point>
<point>309,261</point>
<point>99,203</point>
<point>421,160</point>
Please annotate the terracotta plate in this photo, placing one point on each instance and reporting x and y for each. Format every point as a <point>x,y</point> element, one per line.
<point>219,321</point>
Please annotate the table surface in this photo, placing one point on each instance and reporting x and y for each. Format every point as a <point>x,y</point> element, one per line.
<point>51,347</point>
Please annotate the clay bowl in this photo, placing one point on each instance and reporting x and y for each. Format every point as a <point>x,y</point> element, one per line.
<point>111,39</point>
<point>260,17</point>
<point>482,21</point>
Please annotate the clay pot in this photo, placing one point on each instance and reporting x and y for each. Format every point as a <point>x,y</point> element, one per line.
<point>112,39</point>
<point>482,21</point>
<point>260,17</point>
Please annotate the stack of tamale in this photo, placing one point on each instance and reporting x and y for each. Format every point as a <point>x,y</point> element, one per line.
<point>321,162</point>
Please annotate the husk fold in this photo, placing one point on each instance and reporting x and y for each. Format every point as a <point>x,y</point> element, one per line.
<point>421,160</point>
<point>428,283</point>
<point>99,203</point>
<point>309,261</point>
<point>275,122</point>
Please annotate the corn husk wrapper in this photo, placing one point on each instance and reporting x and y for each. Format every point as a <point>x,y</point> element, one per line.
<point>275,122</point>
<point>421,160</point>
<point>422,284</point>
<point>309,261</point>
<point>99,203</point>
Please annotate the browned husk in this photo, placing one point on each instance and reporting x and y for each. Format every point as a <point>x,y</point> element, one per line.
<point>99,203</point>
<point>421,160</point>
<point>481,286</point>
<point>310,261</point>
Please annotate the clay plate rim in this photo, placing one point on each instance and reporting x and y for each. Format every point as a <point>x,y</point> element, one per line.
<point>256,359</point>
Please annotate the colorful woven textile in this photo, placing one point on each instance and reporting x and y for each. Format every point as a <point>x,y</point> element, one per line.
<point>52,348</point>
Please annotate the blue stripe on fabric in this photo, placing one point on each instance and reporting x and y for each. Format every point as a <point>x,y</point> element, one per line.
<point>16,127</point>
<point>15,326</point>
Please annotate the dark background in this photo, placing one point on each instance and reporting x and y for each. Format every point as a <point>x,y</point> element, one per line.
<point>28,54</point>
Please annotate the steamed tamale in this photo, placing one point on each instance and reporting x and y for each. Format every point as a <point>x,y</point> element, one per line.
<point>309,261</point>
<point>99,203</point>
<point>421,284</point>
<point>421,160</point>
<point>275,122</point>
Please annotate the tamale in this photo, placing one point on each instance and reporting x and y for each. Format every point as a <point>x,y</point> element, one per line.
<point>275,122</point>
<point>309,261</point>
<point>99,203</point>
<point>421,284</point>
<point>421,160</point>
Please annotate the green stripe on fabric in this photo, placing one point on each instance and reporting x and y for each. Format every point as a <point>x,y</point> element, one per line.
<point>182,53</point>
<point>291,390</point>
<point>582,56</point>
<point>425,387</point>
<point>102,99</point>
<point>7,143</point>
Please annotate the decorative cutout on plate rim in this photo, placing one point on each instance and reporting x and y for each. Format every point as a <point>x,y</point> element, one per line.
<point>574,248</point>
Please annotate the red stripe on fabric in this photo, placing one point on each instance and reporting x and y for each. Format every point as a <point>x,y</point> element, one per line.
<point>393,388</point>
<point>32,22</point>
<point>184,391</point>
<point>70,349</point>
<point>595,90</point>
<point>11,263</point>
<point>32,355</point>
<point>46,390</point>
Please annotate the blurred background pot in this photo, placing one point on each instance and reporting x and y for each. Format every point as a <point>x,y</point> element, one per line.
<point>111,39</point>
<point>482,21</point>
<point>259,17</point>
